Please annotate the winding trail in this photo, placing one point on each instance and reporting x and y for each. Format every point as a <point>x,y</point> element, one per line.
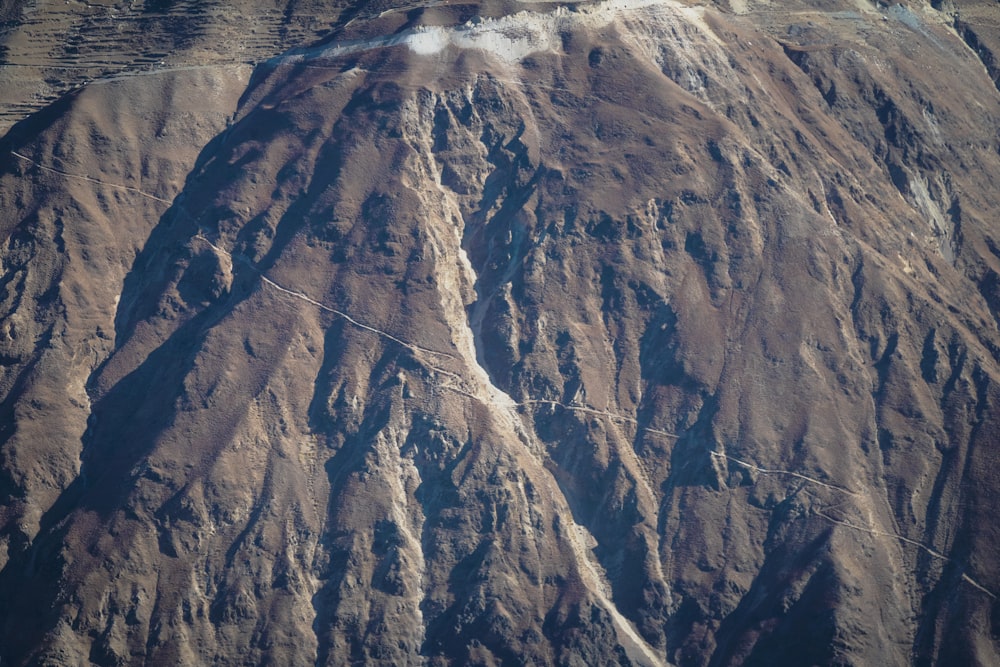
<point>929,550</point>
<point>127,188</point>
<point>322,306</point>
<point>791,473</point>
<point>599,413</point>
<point>420,351</point>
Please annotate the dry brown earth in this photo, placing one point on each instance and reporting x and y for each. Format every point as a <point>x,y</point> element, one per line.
<point>634,333</point>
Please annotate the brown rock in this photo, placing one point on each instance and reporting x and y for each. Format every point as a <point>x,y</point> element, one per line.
<point>638,333</point>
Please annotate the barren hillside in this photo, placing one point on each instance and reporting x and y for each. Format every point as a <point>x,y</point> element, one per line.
<point>628,332</point>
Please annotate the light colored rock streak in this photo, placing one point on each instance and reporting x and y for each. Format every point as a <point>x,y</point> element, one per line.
<point>451,264</point>
<point>596,584</point>
<point>456,277</point>
<point>403,478</point>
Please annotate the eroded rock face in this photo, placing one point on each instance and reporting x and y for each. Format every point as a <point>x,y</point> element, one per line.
<point>630,332</point>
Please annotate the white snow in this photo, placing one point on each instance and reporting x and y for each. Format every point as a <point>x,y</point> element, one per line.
<point>511,38</point>
<point>428,41</point>
<point>514,37</point>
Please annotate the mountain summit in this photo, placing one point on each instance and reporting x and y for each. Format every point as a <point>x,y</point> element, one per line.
<point>638,332</point>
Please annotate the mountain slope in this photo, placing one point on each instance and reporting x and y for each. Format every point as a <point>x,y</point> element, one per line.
<point>632,332</point>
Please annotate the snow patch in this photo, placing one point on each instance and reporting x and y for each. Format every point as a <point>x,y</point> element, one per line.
<point>428,41</point>
<point>512,38</point>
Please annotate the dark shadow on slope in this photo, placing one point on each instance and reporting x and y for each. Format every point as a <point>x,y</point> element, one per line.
<point>987,56</point>
<point>337,544</point>
<point>194,209</point>
<point>122,434</point>
<point>768,629</point>
<point>129,417</point>
<point>24,131</point>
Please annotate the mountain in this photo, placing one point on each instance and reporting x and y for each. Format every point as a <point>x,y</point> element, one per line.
<point>630,332</point>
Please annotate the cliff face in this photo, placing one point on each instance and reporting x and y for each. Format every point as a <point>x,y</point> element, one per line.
<point>629,332</point>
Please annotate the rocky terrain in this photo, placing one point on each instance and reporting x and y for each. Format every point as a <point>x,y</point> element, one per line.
<point>630,332</point>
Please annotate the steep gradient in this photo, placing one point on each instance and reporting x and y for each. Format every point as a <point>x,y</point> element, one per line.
<point>633,332</point>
